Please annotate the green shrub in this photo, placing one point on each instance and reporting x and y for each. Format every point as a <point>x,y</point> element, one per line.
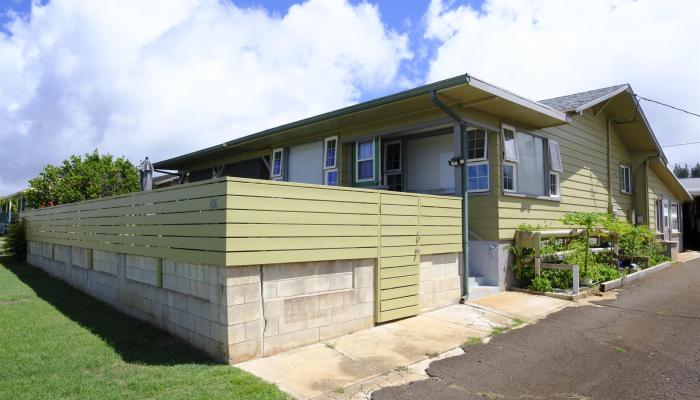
<point>603,273</point>
<point>639,241</point>
<point>558,278</point>
<point>16,242</point>
<point>541,284</point>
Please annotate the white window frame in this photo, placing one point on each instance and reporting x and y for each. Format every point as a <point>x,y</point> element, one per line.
<point>675,220</point>
<point>549,185</point>
<point>329,171</point>
<point>357,160</point>
<point>515,177</point>
<point>554,149</point>
<point>325,152</point>
<point>486,145</point>
<point>488,176</point>
<point>278,176</point>
<point>625,178</point>
<point>515,142</point>
<point>666,214</point>
<point>658,208</point>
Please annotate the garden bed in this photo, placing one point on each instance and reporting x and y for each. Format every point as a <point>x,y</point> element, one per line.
<point>605,286</point>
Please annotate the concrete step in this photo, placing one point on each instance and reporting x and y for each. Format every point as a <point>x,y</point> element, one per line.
<point>477,292</point>
<point>477,281</point>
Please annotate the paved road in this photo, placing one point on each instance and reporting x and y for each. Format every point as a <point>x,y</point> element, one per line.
<point>643,345</point>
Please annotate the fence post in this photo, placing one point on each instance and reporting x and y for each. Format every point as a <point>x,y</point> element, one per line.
<point>574,271</point>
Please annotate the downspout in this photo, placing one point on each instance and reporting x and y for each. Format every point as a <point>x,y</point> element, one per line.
<point>609,155</point>
<point>465,198</point>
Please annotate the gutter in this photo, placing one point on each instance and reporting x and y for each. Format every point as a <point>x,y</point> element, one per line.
<point>465,196</point>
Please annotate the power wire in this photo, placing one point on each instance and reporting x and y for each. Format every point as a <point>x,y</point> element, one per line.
<point>680,144</point>
<point>667,105</point>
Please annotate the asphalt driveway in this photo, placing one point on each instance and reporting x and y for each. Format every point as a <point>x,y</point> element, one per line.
<point>643,345</point>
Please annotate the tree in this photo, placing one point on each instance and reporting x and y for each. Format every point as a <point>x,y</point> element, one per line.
<point>681,172</point>
<point>83,178</point>
<point>695,171</point>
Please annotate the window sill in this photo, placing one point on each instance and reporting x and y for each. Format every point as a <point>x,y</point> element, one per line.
<point>480,193</point>
<point>527,196</point>
<point>626,193</point>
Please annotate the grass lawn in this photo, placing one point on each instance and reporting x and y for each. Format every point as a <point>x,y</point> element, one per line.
<point>56,342</point>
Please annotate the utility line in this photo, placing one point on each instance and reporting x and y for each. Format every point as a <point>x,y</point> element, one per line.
<point>680,144</point>
<point>667,105</point>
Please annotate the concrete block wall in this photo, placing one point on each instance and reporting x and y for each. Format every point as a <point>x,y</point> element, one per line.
<point>192,306</point>
<point>240,313</point>
<point>313,302</point>
<point>439,281</point>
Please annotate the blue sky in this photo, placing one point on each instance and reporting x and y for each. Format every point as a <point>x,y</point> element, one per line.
<point>127,76</point>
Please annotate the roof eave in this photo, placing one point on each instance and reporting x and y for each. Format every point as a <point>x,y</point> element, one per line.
<point>322,117</point>
<point>520,100</point>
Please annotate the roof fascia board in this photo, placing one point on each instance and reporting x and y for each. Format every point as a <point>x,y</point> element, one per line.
<point>669,177</point>
<point>600,99</point>
<point>323,117</point>
<point>437,86</point>
<point>519,100</point>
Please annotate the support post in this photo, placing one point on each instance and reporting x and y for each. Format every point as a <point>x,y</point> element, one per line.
<point>574,272</point>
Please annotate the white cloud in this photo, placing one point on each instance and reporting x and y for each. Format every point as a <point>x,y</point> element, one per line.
<point>542,49</point>
<point>161,78</point>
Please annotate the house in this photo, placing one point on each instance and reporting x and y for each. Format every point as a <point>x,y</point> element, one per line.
<point>528,162</point>
<point>335,223</point>
<point>691,214</point>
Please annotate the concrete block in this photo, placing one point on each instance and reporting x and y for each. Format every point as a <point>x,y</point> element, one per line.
<point>290,287</point>
<point>291,324</point>
<point>272,327</point>
<point>252,292</point>
<point>364,310</point>
<point>277,344</point>
<point>187,321</point>
<point>317,284</point>
<point>331,300</point>
<point>236,333</point>
<point>253,329</point>
<point>194,305</point>
<point>274,308</point>
<point>364,279</point>
<point>235,295</point>
<point>242,275</point>
<point>244,351</point>
<point>243,313</point>
<point>341,281</point>
<point>269,289</point>
<point>202,326</point>
<point>299,306</point>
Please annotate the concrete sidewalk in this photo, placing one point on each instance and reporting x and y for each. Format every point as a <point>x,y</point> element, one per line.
<point>353,366</point>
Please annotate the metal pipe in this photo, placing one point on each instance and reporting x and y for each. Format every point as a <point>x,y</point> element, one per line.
<point>465,195</point>
<point>610,197</point>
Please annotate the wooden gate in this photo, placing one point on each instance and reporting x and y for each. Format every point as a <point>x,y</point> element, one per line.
<point>399,257</point>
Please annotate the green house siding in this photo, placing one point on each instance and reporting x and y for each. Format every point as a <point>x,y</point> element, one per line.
<point>583,181</point>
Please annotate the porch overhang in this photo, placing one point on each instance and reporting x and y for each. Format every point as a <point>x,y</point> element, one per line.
<point>461,91</point>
